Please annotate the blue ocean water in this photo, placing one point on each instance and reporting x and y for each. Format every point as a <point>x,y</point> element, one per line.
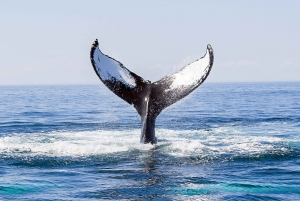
<point>238,141</point>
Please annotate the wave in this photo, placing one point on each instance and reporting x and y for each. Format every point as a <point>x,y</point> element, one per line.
<point>218,143</point>
<point>41,125</point>
<point>29,127</point>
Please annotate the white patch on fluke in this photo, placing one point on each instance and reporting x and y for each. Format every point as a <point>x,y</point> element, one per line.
<point>192,73</point>
<point>110,69</point>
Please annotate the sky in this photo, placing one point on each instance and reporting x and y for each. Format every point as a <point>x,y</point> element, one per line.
<point>48,42</point>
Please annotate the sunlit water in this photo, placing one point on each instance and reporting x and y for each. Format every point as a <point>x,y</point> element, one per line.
<point>222,142</point>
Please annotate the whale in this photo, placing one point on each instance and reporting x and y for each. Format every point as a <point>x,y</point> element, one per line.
<point>150,98</point>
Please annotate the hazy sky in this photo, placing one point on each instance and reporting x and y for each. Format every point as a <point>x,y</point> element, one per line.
<point>48,42</point>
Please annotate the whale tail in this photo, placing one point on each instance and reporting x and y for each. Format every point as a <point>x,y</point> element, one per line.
<point>149,99</point>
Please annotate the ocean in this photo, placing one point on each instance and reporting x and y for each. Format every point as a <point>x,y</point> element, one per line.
<point>225,141</point>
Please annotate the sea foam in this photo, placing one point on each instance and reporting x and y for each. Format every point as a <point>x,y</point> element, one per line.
<point>213,143</point>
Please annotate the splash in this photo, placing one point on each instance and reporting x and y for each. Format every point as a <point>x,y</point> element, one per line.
<point>214,143</point>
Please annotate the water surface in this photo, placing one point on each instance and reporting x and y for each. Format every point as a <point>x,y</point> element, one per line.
<point>237,141</point>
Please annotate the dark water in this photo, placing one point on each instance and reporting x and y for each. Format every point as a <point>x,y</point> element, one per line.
<point>223,142</point>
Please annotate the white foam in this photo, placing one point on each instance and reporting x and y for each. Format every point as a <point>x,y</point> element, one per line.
<point>223,141</point>
<point>84,143</point>
<point>200,143</point>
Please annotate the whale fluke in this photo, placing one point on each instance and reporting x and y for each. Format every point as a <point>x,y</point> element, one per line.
<point>149,99</point>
